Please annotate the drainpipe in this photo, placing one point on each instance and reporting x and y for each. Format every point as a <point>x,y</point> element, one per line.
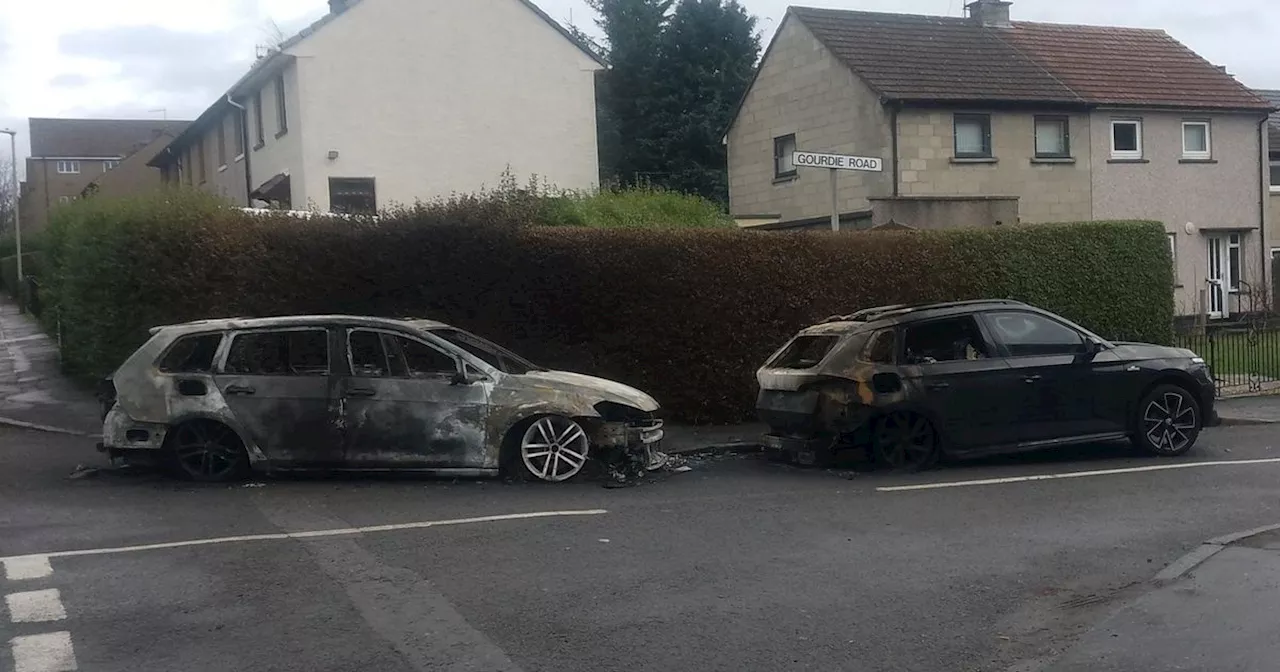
<point>244,142</point>
<point>1265,188</point>
<point>893,131</point>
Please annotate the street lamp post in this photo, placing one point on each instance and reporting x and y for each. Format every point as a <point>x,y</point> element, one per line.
<point>17,206</point>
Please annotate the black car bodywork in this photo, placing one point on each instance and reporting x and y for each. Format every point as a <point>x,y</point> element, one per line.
<point>983,377</point>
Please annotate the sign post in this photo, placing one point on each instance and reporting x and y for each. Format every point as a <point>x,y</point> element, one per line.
<point>835,162</point>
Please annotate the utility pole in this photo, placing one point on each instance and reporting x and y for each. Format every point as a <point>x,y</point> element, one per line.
<point>17,207</point>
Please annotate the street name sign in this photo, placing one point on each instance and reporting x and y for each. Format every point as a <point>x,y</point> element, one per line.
<point>837,161</point>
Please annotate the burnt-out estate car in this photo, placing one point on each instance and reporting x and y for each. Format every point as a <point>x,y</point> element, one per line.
<point>913,383</point>
<point>217,398</point>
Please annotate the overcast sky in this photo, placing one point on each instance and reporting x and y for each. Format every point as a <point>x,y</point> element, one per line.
<point>152,58</point>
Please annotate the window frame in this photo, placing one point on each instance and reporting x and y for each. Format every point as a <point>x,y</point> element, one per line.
<point>229,342</point>
<point>1127,154</point>
<point>202,167</point>
<point>282,107</point>
<point>215,363</point>
<point>779,144</point>
<point>383,334</point>
<point>222,144</point>
<point>1065,122</point>
<point>259,125</point>
<point>373,194</point>
<point>67,167</point>
<point>110,164</point>
<point>1235,248</point>
<point>993,350</point>
<point>1173,254</point>
<point>1198,155</point>
<point>865,354</point>
<point>988,317</point>
<point>1274,174</point>
<point>984,120</point>
<point>237,127</point>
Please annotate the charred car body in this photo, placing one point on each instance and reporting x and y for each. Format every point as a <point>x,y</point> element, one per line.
<point>214,399</point>
<point>912,383</point>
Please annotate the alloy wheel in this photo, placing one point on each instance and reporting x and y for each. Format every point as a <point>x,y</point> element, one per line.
<point>208,451</point>
<point>906,441</point>
<point>1170,422</point>
<point>554,448</point>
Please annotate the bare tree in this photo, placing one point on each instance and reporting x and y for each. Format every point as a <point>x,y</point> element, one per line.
<point>8,196</point>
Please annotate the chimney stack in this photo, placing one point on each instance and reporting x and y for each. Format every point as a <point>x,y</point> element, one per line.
<point>989,13</point>
<point>337,6</point>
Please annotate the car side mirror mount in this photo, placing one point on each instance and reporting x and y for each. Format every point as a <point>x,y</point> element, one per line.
<point>466,377</point>
<point>1093,347</point>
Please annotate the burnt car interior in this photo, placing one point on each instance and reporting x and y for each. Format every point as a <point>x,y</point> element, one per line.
<point>277,353</point>
<point>947,340</point>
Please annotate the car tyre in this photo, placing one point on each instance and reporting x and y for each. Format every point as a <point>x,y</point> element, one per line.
<point>206,451</point>
<point>1168,422</point>
<point>905,441</point>
<point>549,448</point>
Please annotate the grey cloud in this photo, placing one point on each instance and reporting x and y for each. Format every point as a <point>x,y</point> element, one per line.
<point>163,60</point>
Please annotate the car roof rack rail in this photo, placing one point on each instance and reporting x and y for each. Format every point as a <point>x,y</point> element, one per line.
<point>870,314</point>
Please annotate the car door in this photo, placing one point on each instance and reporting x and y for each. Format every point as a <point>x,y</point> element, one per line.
<point>961,380</point>
<point>405,405</point>
<point>1052,361</point>
<point>277,385</point>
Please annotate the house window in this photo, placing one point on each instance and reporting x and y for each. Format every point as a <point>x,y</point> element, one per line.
<point>222,143</point>
<point>261,136</point>
<point>352,195</point>
<point>1275,176</point>
<point>238,126</point>
<point>68,167</point>
<point>1173,250</point>
<point>1126,139</point>
<point>973,136</point>
<point>784,149</point>
<point>200,161</point>
<point>186,166</point>
<point>1195,140</point>
<point>64,199</point>
<point>1052,138</point>
<point>282,117</point>
<point>108,165</point>
<point>1233,260</point>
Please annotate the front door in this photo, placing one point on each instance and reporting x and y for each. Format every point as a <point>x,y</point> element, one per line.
<point>1050,361</point>
<point>404,405</point>
<point>964,383</point>
<point>1219,278</point>
<point>277,386</point>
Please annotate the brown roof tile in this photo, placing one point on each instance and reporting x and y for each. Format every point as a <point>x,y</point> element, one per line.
<point>96,137</point>
<point>930,58</point>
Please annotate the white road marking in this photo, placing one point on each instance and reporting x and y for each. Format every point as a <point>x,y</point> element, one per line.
<point>340,532</point>
<point>27,567</point>
<point>44,653</point>
<point>37,606</point>
<point>1075,474</point>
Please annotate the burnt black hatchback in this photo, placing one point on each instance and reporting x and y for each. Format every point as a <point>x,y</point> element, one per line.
<point>913,383</point>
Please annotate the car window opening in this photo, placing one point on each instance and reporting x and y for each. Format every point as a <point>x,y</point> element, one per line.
<point>945,341</point>
<point>499,358</point>
<point>805,352</point>
<point>280,353</point>
<point>192,354</point>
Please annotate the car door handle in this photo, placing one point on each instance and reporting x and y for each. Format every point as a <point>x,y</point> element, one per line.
<point>1032,379</point>
<point>240,390</point>
<point>938,386</point>
<point>361,392</point>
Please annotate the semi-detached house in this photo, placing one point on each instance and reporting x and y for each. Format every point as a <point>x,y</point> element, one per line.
<point>985,121</point>
<point>385,102</point>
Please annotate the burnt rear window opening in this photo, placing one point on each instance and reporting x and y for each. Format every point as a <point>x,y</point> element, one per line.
<point>191,354</point>
<point>805,352</point>
<point>496,356</point>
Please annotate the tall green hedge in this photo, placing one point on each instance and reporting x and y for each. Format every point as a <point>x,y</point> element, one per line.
<point>687,314</point>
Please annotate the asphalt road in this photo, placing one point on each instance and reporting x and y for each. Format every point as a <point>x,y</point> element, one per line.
<point>739,564</point>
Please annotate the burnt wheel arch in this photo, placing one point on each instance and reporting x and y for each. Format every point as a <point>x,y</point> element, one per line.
<point>206,450</point>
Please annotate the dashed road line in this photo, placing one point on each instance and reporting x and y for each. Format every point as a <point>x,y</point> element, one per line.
<point>313,534</point>
<point>51,652</point>
<point>36,606</point>
<point>1074,474</point>
<point>27,568</point>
